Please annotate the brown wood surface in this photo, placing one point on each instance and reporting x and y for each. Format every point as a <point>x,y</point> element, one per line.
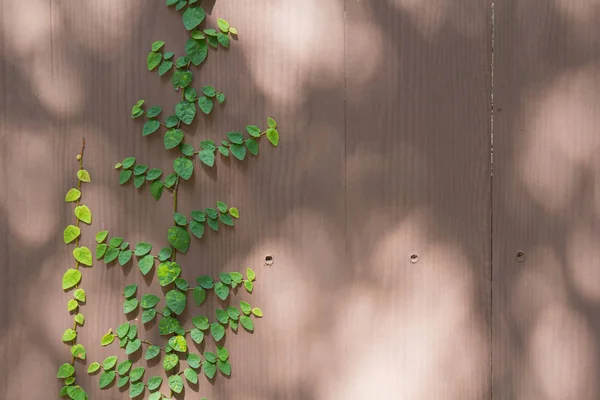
<point>546,200</point>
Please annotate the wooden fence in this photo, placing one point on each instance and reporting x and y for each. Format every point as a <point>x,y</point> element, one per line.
<point>408,263</point>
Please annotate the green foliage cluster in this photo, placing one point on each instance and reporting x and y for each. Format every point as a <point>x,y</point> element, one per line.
<point>179,360</point>
<point>71,284</point>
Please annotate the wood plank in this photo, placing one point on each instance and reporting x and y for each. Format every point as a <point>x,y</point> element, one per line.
<point>418,182</point>
<point>545,201</point>
<point>291,199</point>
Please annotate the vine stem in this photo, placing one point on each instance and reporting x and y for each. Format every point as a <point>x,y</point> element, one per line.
<point>80,157</point>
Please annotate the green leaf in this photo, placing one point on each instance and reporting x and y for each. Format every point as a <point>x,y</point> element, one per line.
<point>209,91</point>
<point>79,295</point>
<point>179,238</point>
<point>148,315</point>
<point>115,241</point>
<point>247,323</point>
<point>257,312</point>
<point>111,254</point>
<point>132,334</point>
<point>65,371</point>
<point>130,290</point>
<point>136,374</point>
<point>191,375</point>
<point>210,356</point>
<point>93,367</point>
<point>176,301</point>
<point>205,104</point>
<point>201,322</point>
<point>124,257</point>
<point>197,229</point>
<point>221,97</point>
<point>128,162</point>
<point>170,361</point>
<point>226,219</point>
<point>156,189</point>
<point>71,233</point>
<point>178,343</point>
<point>130,305</point>
<point>221,290</point>
<point>205,281</point>
<point>233,31</point>
<point>217,331</point>
<point>153,174</point>
<point>179,219</point>
<point>153,60</point>
<point>123,380</point>
<point>153,111</point>
<point>150,127</point>
<point>154,382</point>
<point>238,151</point>
<point>123,329</point>
<point>223,39</point>
<point>158,395</point>
<point>83,175</point>
<point>101,236</point>
<point>223,25</point>
<point>109,362</point>
<point>235,137</point>
<point>198,215</point>
<point>222,353</point>
<point>138,181</point>
<point>170,180</point>
<point>149,301</point>
<point>136,389</point>
<point>182,62</point>
<point>253,130</point>
<point>197,50</point>
<point>224,367</point>
<point>192,17</point>
<point>171,121</point>
<point>106,379</point>
<point>124,176</point>
<point>207,157</point>
<point>194,360</point>
<point>273,136</point>
<point>156,46</point>
<point>72,305</point>
<point>224,150</point>
<point>172,138</point>
<point>71,278</point>
<point>133,346</point>
<point>182,79</point>
<point>186,149</point>
<point>142,248</point>
<point>250,274</point>
<point>176,383</point>
<point>210,369</point>
<point>139,169</point>
<point>182,284</point>
<point>222,316</point>
<point>152,352</point>
<point>164,67</point>
<point>211,32</point>
<point>168,325</point>
<point>225,277</point>
<point>252,146</point>
<point>72,195</point>
<point>79,318</point>
<point>186,112</point>
<point>272,123</point>
<point>249,286</point>
<point>171,2</point>
<point>197,335</point>
<point>213,223</point>
<point>84,214</point>
<point>100,250</point>
<point>164,254</point>
<point>199,295</point>
<point>233,313</point>
<point>124,367</point>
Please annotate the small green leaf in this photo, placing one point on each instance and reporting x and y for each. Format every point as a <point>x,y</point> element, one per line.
<point>106,379</point>
<point>222,353</point>
<point>124,257</point>
<point>65,371</point>
<point>148,315</point>
<point>183,167</point>
<point>71,233</point>
<point>130,290</point>
<point>179,219</point>
<point>186,112</point>
<point>170,361</point>
<point>235,137</point>
<point>179,238</point>
<point>142,248</point>
<point>79,295</point>
<point>124,176</point>
<point>156,189</point>
<point>273,136</point>
<point>154,382</point>
<point>182,62</point>
<point>176,301</point>
<point>133,346</point>
<point>210,369</point>
<point>136,389</point>
<point>153,111</point>
<point>197,335</point>
<point>234,212</point>
<point>176,383</point>
<point>272,123</point>
<point>115,241</point>
<point>171,121</point>
<point>84,214</point>
<point>111,254</point>
<point>221,290</point>
<point>246,308</point>
<point>205,104</point>
<point>178,343</point>
<point>168,272</point>
<point>165,66</point>
<point>224,367</point>
<point>153,60</point>
<point>152,352</point>
<point>83,175</point>
<point>194,360</point>
<point>93,367</point>
<point>150,127</point>
<point>138,181</point>
<point>210,356</point>
<point>153,174</point>
<point>124,367</point>
<point>253,130</point>
<point>224,150</point>
<point>197,50</point>
<point>100,250</point>
<point>164,253</point>
<point>197,229</point>
<point>172,138</point>
<point>72,305</point>
<point>132,334</point>
<point>222,316</point>
<point>186,149</point>
<point>213,223</point>
<point>136,374</point>
<point>201,322</point>
<point>101,236</point>
<point>182,284</point>
<point>79,318</point>
<point>207,157</point>
<point>123,329</point>
<point>170,180</point>
<point>149,301</point>
<point>249,286</point>
<point>172,2</point>
<point>217,331</point>
<point>192,17</point>
<point>109,362</point>
<point>233,31</point>
<point>252,146</point>
<point>72,195</point>
<point>223,39</point>
<point>238,151</point>
<point>123,380</point>
<point>223,25</point>
<point>250,274</point>
<point>233,313</point>
<point>71,278</point>
<point>221,97</point>
<point>247,323</point>
<point>156,46</point>
<point>226,219</point>
<point>205,281</point>
<point>130,305</point>
<point>257,312</point>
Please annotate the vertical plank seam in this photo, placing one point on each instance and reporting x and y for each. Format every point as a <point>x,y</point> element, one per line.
<point>492,60</point>
<point>345,151</point>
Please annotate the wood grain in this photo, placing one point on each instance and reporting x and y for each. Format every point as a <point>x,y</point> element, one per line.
<point>545,203</point>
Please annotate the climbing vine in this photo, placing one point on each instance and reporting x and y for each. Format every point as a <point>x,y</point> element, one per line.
<point>71,280</point>
<point>177,349</point>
